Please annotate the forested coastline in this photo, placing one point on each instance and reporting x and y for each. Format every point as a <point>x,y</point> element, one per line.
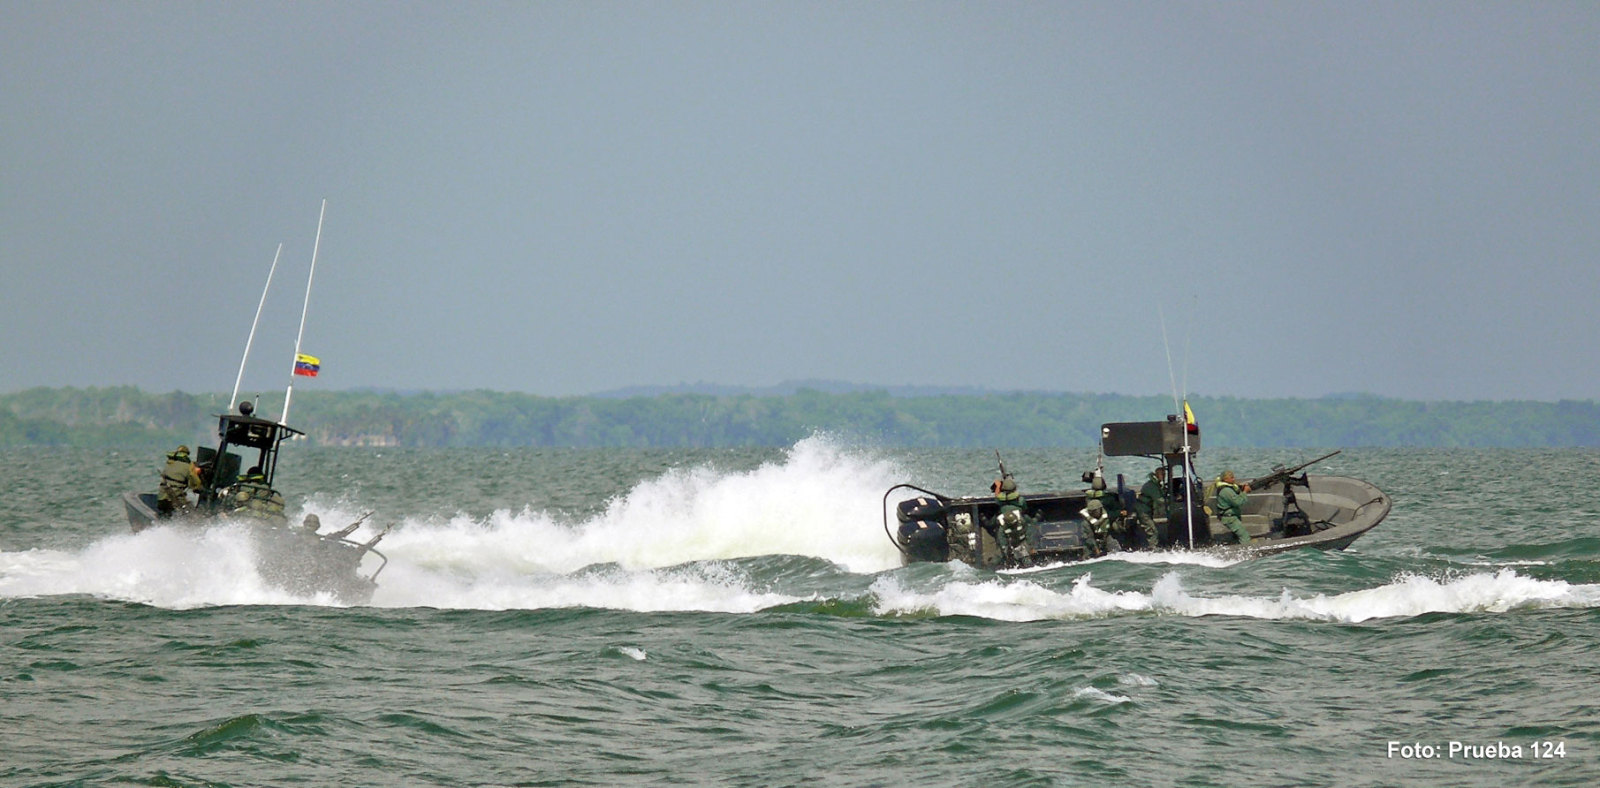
<point>129,417</point>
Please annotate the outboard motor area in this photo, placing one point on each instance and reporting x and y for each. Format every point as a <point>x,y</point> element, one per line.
<point>920,508</point>
<point>924,540</point>
<point>922,533</point>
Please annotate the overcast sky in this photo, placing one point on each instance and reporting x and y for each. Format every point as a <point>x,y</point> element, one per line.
<point>563,198</point>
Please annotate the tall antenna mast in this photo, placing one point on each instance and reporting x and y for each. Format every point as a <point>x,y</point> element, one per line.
<point>1188,458</point>
<point>315,245</point>
<point>233,399</point>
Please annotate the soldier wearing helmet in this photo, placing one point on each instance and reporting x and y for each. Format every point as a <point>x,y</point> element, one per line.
<point>1010,526</point>
<point>1231,497</point>
<point>178,477</point>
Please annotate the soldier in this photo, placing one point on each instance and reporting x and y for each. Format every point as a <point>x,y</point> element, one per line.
<point>1154,497</point>
<point>1011,524</point>
<point>311,524</point>
<point>1230,505</point>
<point>253,498</point>
<point>1103,511</point>
<point>178,477</point>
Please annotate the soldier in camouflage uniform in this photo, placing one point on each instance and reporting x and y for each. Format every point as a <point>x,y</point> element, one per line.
<point>1230,505</point>
<point>1155,498</point>
<point>178,477</point>
<point>1103,512</point>
<point>253,498</point>
<point>1011,524</point>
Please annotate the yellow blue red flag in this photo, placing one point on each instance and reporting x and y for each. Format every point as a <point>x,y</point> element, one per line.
<point>307,365</point>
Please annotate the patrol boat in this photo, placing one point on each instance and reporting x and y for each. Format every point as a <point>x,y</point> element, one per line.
<point>293,558</point>
<point>1285,509</point>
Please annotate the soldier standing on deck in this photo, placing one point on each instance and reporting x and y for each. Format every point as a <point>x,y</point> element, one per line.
<point>1103,510</point>
<point>1011,524</point>
<point>178,477</point>
<point>1154,497</point>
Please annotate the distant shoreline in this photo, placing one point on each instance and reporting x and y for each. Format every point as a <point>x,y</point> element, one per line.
<point>673,417</point>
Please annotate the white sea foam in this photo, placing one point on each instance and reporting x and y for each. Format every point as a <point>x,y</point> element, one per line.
<point>820,500</point>
<point>1097,694</point>
<point>663,541</point>
<point>1406,596</point>
<point>1215,559</point>
<point>163,566</point>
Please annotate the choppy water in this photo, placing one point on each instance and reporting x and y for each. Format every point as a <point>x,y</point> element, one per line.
<point>739,618</point>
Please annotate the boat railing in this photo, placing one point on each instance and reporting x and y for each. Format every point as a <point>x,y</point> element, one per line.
<point>363,549</point>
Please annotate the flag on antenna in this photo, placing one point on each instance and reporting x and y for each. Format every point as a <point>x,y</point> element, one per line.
<point>307,365</point>
<point>1189,423</point>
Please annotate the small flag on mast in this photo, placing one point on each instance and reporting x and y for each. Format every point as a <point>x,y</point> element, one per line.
<point>1188,420</point>
<point>307,365</point>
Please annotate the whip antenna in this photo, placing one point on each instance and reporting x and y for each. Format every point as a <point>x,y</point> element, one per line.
<point>1167,346</point>
<point>303,309</point>
<point>233,398</point>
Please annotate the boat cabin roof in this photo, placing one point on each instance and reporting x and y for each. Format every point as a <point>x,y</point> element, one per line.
<point>236,430</point>
<point>1149,438</point>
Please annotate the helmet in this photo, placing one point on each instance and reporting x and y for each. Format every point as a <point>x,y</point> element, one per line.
<point>1008,484</point>
<point>312,523</point>
<point>1099,482</point>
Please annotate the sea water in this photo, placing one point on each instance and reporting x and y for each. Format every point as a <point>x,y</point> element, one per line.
<point>739,617</point>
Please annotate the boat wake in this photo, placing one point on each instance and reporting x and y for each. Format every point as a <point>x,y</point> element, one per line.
<point>1405,597</point>
<point>162,566</point>
<point>801,532</point>
<point>669,543</point>
<point>820,500</point>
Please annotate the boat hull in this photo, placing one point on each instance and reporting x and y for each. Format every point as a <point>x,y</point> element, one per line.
<point>288,558</point>
<point>935,528</point>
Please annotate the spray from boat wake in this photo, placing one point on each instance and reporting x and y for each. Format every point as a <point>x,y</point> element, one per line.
<point>1405,596</point>
<point>802,528</point>
<point>668,543</point>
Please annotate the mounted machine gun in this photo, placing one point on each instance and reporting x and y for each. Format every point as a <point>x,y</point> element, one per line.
<point>1295,520</point>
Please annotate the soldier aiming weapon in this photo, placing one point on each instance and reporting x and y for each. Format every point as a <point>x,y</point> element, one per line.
<point>1295,520</point>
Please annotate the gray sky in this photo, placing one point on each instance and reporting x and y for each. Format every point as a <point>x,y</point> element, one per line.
<point>561,198</point>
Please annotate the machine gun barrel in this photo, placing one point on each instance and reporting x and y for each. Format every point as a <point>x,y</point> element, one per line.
<point>1283,475</point>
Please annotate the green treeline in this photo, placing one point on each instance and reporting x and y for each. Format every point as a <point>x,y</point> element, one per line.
<point>127,416</point>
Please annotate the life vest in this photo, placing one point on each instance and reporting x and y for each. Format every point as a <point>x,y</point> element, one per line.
<point>258,500</point>
<point>1223,509</point>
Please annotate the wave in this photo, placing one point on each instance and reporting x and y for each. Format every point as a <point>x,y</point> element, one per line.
<point>821,500</point>
<point>661,540</point>
<point>1405,597</point>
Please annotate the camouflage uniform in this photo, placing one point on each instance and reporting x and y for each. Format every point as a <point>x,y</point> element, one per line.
<point>1154,497</point>
<point>1011,524</point>
<point>1230,506</point>
<point>1103,510</point>
<point>178,477</point>
<point>253,498</point>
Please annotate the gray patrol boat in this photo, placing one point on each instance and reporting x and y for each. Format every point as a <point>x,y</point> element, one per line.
<point>294,558</point>
<point>1285,509</point>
